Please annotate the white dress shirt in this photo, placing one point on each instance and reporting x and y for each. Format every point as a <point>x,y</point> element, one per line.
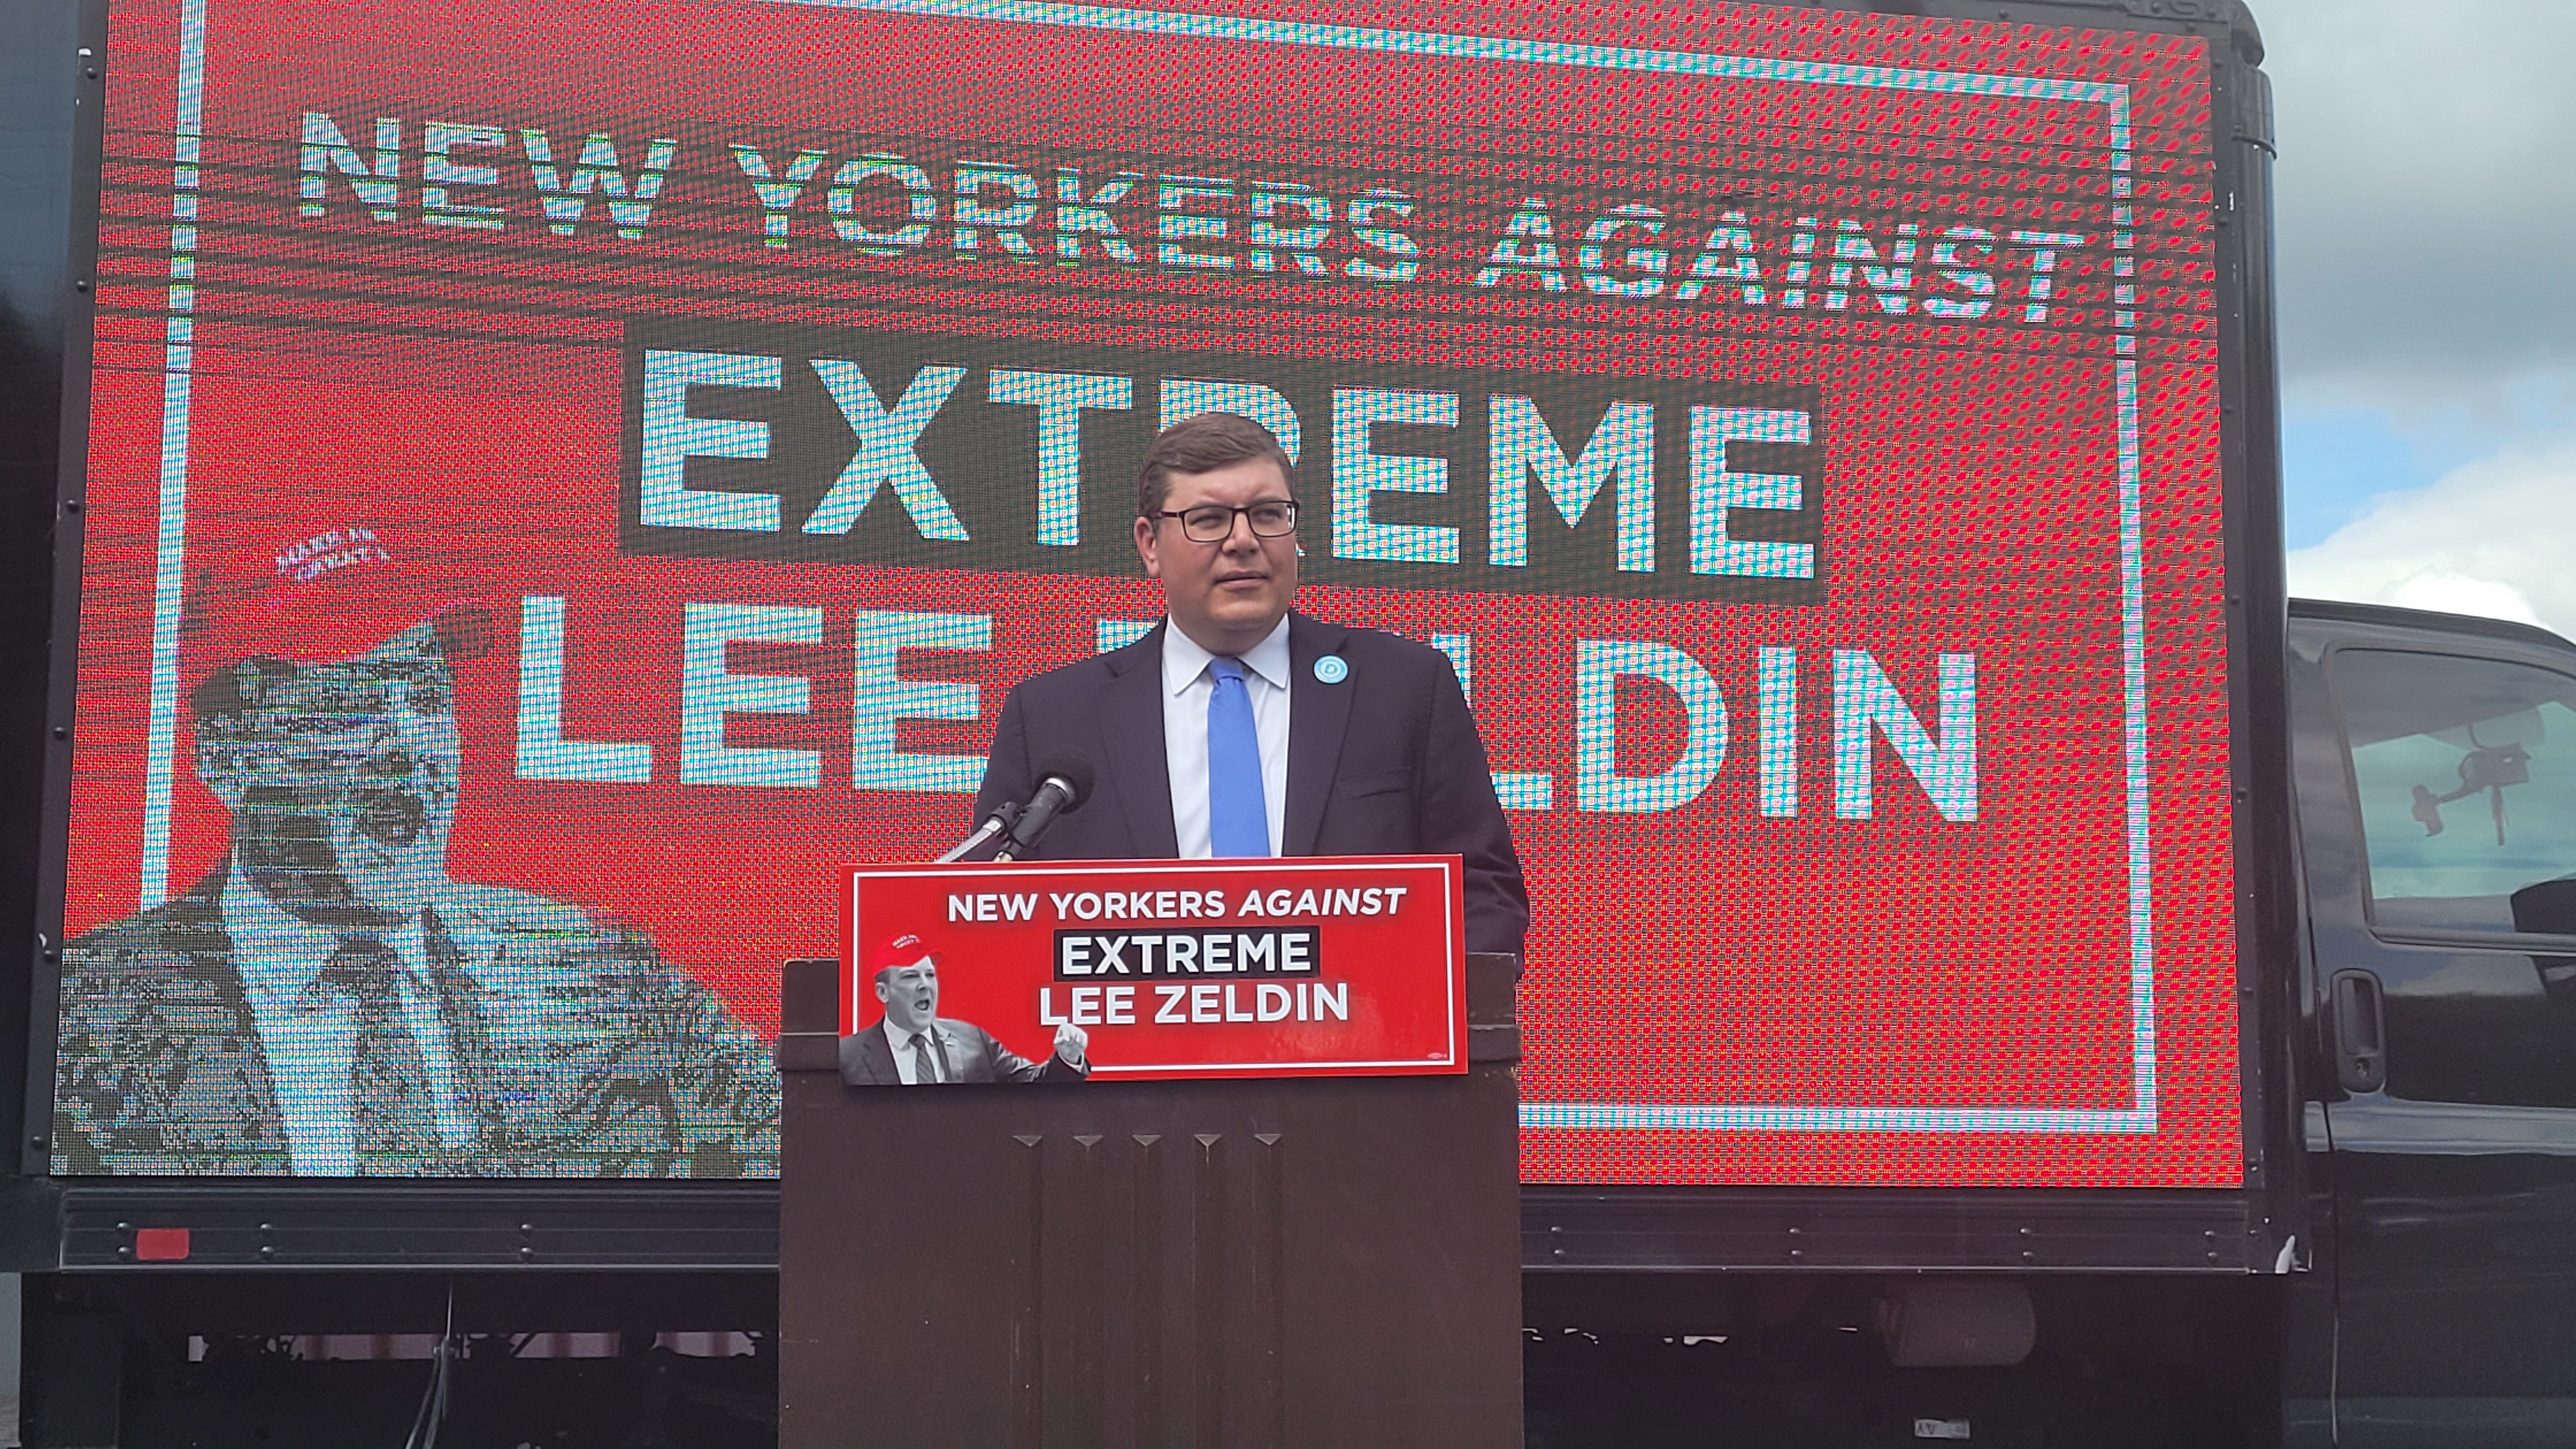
<point>309,1032</point>
<point>901,1040</point>
<point>1187,687</point>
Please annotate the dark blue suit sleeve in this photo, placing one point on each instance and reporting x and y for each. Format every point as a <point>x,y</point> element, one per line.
<point>1461,816</point>
<point>1007,771</point>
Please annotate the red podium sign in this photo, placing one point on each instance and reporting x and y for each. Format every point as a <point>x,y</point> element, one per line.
<point>1347,966</point>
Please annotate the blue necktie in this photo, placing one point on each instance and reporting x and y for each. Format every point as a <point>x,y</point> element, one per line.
<point>1238,817</point>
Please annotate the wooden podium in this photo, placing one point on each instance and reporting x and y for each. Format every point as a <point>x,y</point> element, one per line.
<point>1319,1262</point>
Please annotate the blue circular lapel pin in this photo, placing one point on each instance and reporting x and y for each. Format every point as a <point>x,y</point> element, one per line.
<point>1332,669</point>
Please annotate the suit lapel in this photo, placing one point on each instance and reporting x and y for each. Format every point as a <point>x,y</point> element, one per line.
<point>952,1053</point>
<point>876,1057</point>
<point>1132,745</point>
<point>1318,713</point>
<point>881,1055</point>
<point>197,930</point>
<point>469,1045</point>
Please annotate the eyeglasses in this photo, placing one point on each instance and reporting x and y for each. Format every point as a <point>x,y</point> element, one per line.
<point>1214,522</point>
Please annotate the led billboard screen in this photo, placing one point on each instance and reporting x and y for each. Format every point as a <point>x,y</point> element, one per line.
<point>564,480</point>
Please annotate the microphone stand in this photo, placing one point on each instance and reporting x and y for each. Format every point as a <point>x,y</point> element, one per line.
<point>1003,818</point>
<point>1033,822</point>
<point>1059,792</point>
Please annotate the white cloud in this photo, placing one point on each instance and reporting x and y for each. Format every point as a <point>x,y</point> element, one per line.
<point>2496,538</point>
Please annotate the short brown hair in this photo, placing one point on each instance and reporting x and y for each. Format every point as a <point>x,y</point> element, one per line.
<point>1203,444</point>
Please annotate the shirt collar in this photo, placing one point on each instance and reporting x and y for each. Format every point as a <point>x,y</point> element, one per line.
<point>900,1041</point>
<point>1184,661</point>
<point>279,954</point>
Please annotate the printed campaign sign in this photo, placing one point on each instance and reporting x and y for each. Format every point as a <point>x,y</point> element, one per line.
<point>1348,966</point>
<point>1800,429</point>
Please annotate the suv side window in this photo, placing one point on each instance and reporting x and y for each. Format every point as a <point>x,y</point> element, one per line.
<point>2464,781</point>
<point>2466,772</point>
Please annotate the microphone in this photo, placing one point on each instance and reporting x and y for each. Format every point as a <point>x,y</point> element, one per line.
<point>1004,816</point>
<point>1064,782</point>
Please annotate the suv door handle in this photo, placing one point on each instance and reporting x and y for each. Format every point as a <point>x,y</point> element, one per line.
<point>2360,1032</point>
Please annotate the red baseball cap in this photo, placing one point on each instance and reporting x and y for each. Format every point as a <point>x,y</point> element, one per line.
<point>902,951</point>
<point>325,595</point>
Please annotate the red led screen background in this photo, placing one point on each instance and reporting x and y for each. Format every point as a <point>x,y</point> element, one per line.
<point>1871,776</point>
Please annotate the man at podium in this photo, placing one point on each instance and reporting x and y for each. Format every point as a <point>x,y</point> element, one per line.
<point>1239,727</point>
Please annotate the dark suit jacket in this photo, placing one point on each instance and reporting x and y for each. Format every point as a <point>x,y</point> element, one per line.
<point>584,1052</point>
<point>1387,762</point>
<point>971,1052</point>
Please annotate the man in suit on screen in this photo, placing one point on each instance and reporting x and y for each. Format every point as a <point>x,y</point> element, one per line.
<point>1239,727</point>
<point>914,1046</point>
<point>329,1000</point>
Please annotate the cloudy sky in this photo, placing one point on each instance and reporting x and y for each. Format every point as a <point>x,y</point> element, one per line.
<point>2427,194</point>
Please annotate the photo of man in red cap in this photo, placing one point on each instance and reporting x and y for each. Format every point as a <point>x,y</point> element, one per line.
<point>329,1001</point>
<point>913,1046</point>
